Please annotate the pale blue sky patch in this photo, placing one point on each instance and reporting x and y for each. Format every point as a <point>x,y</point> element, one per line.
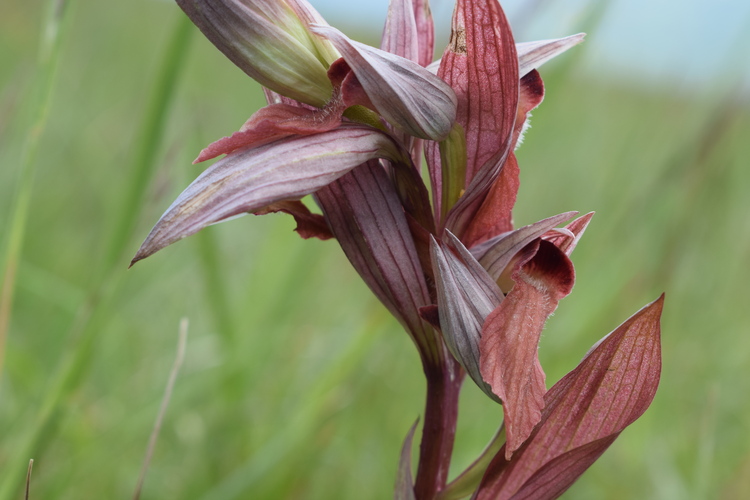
<point>691,43</point>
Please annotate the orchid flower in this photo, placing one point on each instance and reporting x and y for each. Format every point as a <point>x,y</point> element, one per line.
<point>350,124</point>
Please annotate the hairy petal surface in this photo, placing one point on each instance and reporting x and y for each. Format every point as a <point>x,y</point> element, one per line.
<point>253,178</point>
<point>466,296</point>
<point>406,94</point>
<point>531,95</point>
<point>365,215</point>
<point>584,413</point>
<point>510,340</point>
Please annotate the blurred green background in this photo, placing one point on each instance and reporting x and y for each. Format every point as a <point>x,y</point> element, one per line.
<point>296,383</point>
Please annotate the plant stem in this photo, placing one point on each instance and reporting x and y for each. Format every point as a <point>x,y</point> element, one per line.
<point>439,430</point>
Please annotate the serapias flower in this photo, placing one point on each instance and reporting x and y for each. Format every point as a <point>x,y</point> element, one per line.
<point>271,41</point>
<point>349,124</point>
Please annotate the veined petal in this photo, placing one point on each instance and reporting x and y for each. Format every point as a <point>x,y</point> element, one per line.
<point>425,31</point>
<point>270,41</point>
<point>406,94</point>
<point>480,64</point>
<point>365,215</point>
<point>409,31</point>
<point>510,340</point>
<point>531,55</point>
<point>584,413</point>
<point>466,296</point>
<point>495,214</point>
<point>400,32</point>
<point>495,254</point>
<point>253,178</point>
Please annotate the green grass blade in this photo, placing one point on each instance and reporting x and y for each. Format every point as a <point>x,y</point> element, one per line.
<point>95,311</point>
<point>149,140</point>
<point>47,62</point>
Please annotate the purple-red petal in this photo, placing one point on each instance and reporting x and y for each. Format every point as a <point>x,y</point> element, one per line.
<point>510,340</point>
<point>481,65</point>
<point>250,179</point>
<point>466,295</point>
<point>274,122</point>
<point>365,215</point>
<point>584,412</point>
<point>495,254</point>
<point>402,91</point>
<point>400,32</point>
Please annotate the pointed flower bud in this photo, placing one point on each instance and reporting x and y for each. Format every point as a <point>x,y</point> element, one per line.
<point>270,41</point>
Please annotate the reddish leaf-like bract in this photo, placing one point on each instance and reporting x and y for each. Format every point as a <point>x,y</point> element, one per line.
<point>481,65</point>
<point>495,215</point>
<point>510,339</point>
<point>253,178</point>
<point>274,122</point>
<point>366,217</point>
<point>584,413</point>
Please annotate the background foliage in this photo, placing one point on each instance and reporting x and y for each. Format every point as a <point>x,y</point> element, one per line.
<point>297,384</point>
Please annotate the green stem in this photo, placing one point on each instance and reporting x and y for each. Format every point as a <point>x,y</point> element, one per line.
<point>149,140</point>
